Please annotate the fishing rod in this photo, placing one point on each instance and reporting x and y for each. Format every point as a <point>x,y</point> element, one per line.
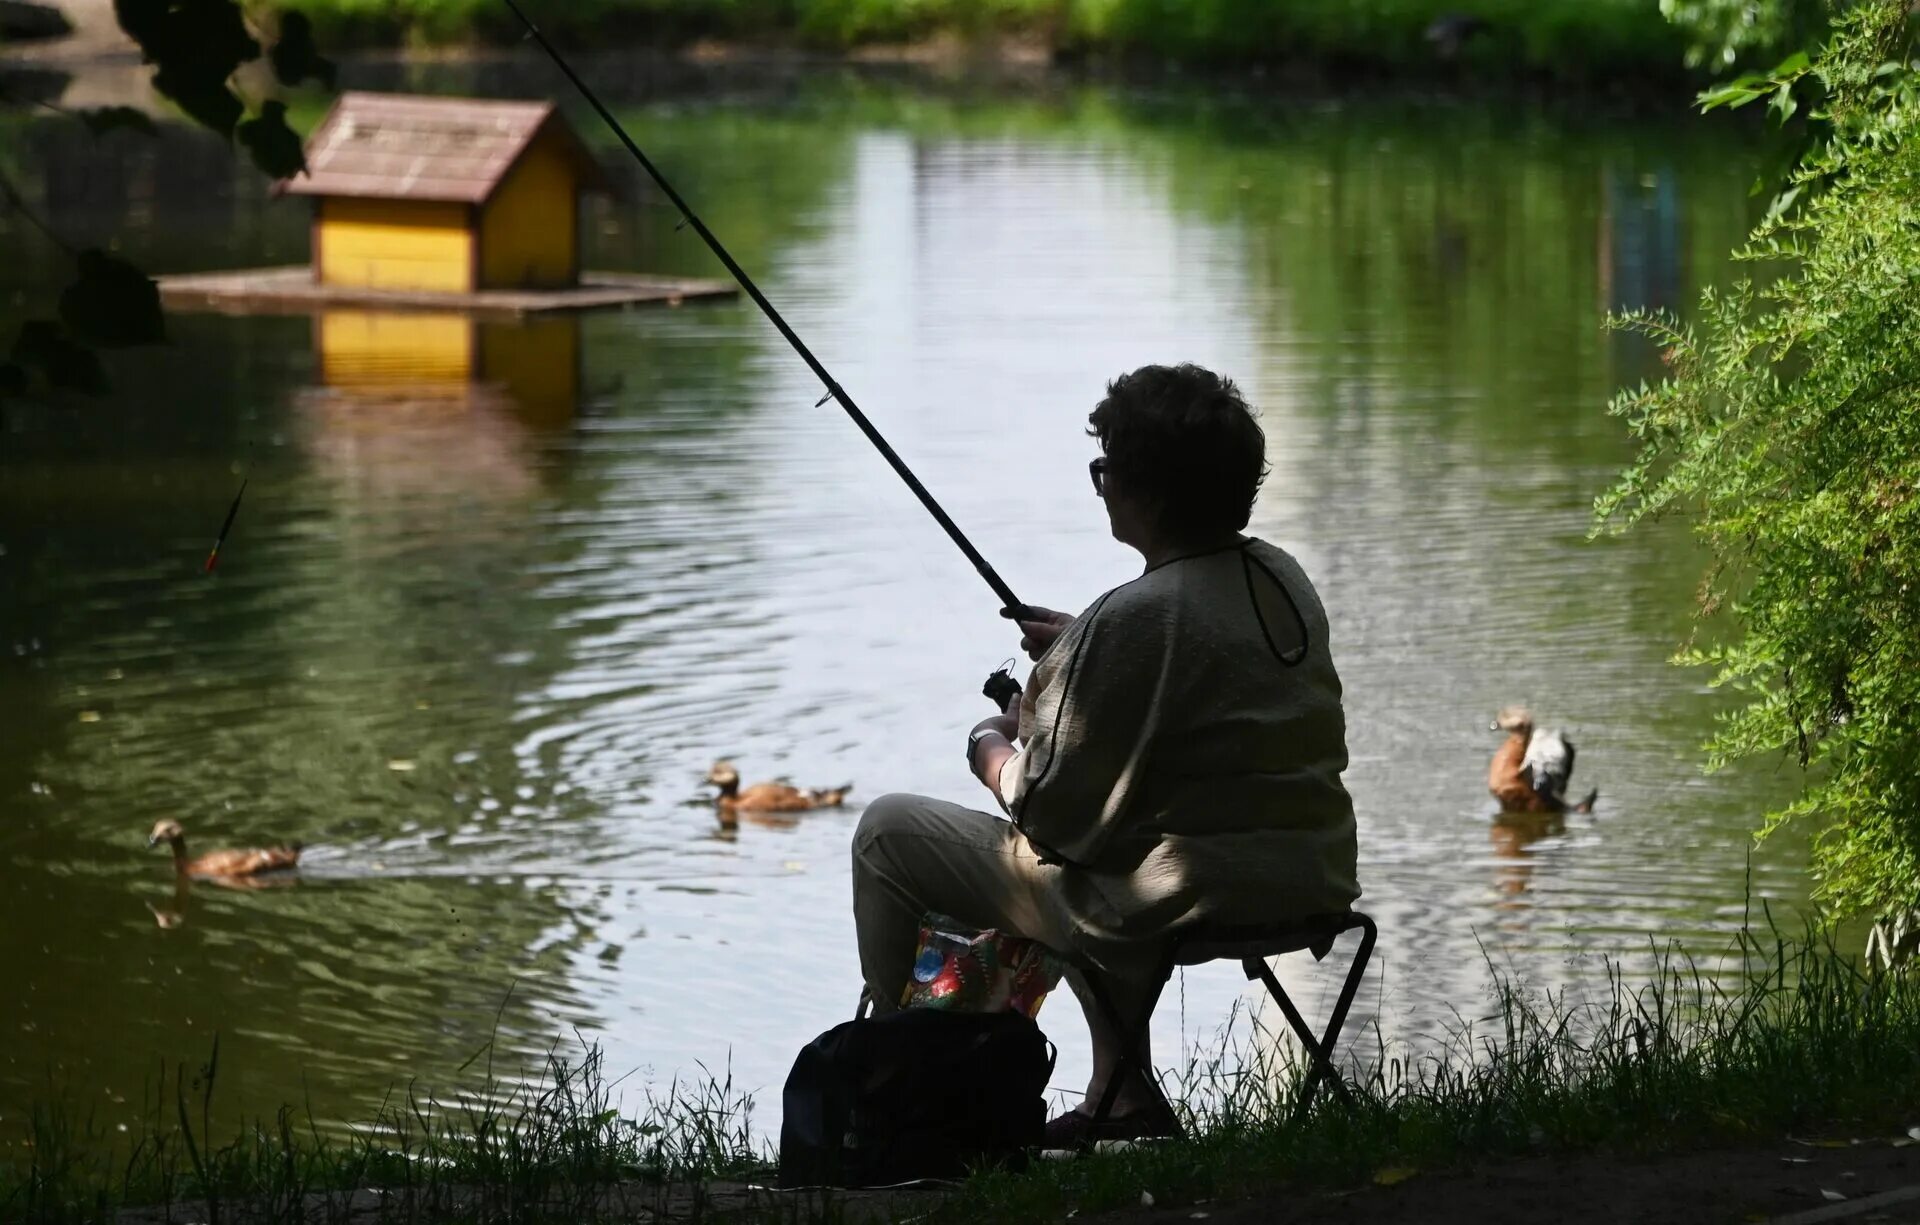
<point>213,557</point>
<point>1010,603</point>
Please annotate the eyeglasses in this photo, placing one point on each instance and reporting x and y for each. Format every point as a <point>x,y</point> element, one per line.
<point>1097,469</point>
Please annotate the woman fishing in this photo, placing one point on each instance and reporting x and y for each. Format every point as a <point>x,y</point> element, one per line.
<point>1176,757</point>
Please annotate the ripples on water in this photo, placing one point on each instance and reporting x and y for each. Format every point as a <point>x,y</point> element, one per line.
<point>477,646</point>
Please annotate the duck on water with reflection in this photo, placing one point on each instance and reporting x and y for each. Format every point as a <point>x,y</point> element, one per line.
<point>762,799</point>
<point>227,866</point>
<point>1532,769</point>
<point>233,869</point>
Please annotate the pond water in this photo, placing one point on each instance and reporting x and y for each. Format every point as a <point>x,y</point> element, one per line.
<point>497,597</point>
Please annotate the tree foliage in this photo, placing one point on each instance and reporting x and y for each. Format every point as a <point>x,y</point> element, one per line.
<point>112,304</point>
<point>1789,431</point>
<point>1722,32</point>
<point>196,47</point>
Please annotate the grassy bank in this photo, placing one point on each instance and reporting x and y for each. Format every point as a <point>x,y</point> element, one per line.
<point>556,1147</point>
<point>1562,38</point>
<point>1797,1038</point>
<point>1801,1040</point>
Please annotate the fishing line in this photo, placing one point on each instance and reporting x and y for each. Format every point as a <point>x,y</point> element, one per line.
<point>1009,602</point>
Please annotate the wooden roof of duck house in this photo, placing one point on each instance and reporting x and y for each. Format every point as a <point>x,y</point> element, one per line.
<point>450,195</point>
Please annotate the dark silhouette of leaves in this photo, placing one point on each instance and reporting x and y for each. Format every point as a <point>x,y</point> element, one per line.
<point>65,363</point>
<point>275,147</point>
<point>112,303</point>
<point>209,102</point>
<point>195,47</point>
<point>295,58</point>
<point>104,119</point>
<point>13,379</point>
<point>197,44</point>
<point>36,338</point>
<point>204,39</point>
<point>141,19</point>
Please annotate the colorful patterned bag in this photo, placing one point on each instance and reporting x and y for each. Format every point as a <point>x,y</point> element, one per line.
<point>960,970</point>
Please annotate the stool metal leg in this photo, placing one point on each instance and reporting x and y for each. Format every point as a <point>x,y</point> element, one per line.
<point>1320,1053</point>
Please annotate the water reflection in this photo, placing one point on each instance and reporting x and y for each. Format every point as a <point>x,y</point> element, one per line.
<point>1639,242</point>
<point>535,363</point>
<point>729,822</point>
<point>1512,836</point>
<point>173,912</point>
<point>415,404</point>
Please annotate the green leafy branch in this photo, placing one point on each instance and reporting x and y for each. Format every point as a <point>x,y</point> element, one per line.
<point>1787,431</point>
<point>1776,86</point>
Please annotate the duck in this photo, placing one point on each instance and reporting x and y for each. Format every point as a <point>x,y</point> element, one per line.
<point>768,797</point>
<point>1529,772</point>
<point>222,865</point>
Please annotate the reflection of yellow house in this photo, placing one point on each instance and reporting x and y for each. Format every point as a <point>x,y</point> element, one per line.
<point>535,361</point>
<point>445,195</point>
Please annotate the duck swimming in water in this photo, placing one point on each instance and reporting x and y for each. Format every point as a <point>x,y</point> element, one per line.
<point>768,797</point>
<point>1530,771</point>
<point>221,865</point>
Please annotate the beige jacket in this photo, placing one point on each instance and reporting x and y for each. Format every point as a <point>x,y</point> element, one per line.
<point>1182,748</point>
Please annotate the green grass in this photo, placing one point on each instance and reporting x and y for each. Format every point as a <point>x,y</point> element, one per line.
<point>1793,1037</point>
<point>1560,38</point>
<point>554,1147</point>
<point>1797,1038</point>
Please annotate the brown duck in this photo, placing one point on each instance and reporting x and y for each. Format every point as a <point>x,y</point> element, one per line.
<point>1531,769</point>
<point>769,797</point>
<point>222,865</point>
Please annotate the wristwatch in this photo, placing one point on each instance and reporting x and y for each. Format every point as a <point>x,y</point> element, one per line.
<point>973,741</point>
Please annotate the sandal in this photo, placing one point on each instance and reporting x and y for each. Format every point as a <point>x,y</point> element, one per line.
<point>1077,1130</point>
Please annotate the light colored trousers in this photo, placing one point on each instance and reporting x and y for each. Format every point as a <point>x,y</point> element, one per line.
<point>914,856</point>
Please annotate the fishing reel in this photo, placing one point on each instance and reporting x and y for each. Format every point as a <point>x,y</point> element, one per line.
<point>1001,688</point>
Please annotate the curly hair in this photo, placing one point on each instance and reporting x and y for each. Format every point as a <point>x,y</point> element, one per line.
<point>1184,440</point>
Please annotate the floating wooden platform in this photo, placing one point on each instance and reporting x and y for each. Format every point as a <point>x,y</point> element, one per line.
<point>293,291</point>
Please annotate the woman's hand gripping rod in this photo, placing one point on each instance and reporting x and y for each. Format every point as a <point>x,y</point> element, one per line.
<point>1010,603</point>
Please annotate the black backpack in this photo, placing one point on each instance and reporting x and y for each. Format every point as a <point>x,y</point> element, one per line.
<point>914,1094</point>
